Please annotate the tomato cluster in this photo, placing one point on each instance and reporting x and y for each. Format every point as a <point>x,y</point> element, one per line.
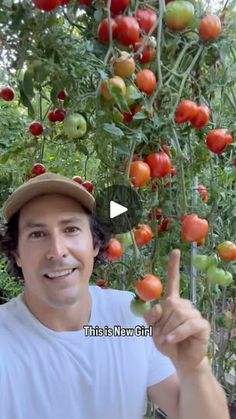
<point>85,183</point>
<point>209,265</point>
<point>189,111</point>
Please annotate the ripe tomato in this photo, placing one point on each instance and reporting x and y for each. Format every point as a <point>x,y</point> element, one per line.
<point>218,139</point>
<point>114,250</point>
<point>127,30</point>
<point>102,283</point>
<point>124,65</point>
<point>158,213</point>
<point>103,30</point>
<point>203,192</point>
<point>186,111</point>
<point>88,185</point>
<point>38,169</point>
<point>202,117</point>
<point>147,19</point>
<point>147,53</point>
<point>115,81</point>
<point>209,28</point>
<point>194,228</point>
<point>59,114</point>
<point>7,93</point>
<point>139,173</point>
<point>61,95</point>
<point>159,163</point>
<point>78,179</point>
<point>36,128</point>
<point>219,276</point>
<point>165,225</point>
<point>179,15</point>
<point>118,6</point>
<point>226,250</point>
<point>85,2</point>
<point>139,307</point>
<point>52,116</point>
<point>173,171</point>
<point>143,234</point>
<point>47,5</point>
<point>146,81</point>
<point>201,242</point>
<point>149,288</point>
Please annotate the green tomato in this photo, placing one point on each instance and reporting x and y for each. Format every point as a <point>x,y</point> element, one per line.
<point>203,262</point>
<point>179,15</point>
<point>125,239</point>
<point>132,94</point>
<point>139,307</point>
<point>75,125</point>
<point>219,276</point>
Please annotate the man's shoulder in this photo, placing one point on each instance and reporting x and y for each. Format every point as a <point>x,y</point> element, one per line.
<point>111,294</point>
<point>8,308</point>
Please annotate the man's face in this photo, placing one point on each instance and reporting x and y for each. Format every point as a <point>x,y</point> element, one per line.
<point>53,247</point>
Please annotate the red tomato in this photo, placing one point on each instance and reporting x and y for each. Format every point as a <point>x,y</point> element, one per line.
<point>146,81</point>
<point>159,163</point>
<point>85,2</point>
<point>78,179</point>
<point>7,93</point>
<point>114,250</point>
<point>103,30</point>
<point>149,288</point>
<point>218,139</point>
<point>52,116</point>
<point>179,15</point>
<point>36,128</point>
<point>61,95</point>
<point>38,169</point>
<point>139,173</point>
<point>118,6</point>
<point>202,117</point>
<point>147,19</point>
<point>203,192</point>
<point>209,28</point>
<point>47,5</point>
<point>88,185</point>
<point>59,114</point>
<point>114,81</point>
<point>234,162</point>
<point>147,53</point>
<point>173,171</point>
<point>226,250</point>
<point>127,117</point>
<point>143,235</point>
<point>186,111</point>
<point>194,228</point>
<point>124,65</point>
<point>158,214</point>
<point>102,283</point>
<point>127,30</point>
<point>165,225</point>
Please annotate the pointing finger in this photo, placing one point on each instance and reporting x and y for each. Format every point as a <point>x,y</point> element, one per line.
<point>172,285</point>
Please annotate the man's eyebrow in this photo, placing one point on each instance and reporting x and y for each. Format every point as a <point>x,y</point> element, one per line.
<point>33,224</point>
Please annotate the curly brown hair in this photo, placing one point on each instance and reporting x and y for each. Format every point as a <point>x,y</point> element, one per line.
<point>9,234</point>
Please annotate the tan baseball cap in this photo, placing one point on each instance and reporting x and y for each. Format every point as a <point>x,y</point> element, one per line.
<point>43,184</point>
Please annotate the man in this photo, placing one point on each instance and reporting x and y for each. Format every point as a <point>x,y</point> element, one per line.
<point>53,367</point>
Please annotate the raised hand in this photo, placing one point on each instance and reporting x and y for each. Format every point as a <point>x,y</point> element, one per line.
<point>179,330</point>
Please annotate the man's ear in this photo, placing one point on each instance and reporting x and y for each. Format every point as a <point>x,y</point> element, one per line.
<point>96,250</point>
<point>17,257</point>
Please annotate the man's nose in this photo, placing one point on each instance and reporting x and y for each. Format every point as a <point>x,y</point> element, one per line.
<point>56,247</point>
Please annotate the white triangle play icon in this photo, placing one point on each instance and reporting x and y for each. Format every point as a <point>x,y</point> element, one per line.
<point>116,209</point>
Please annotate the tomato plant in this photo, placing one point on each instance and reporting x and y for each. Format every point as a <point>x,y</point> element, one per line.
<point>194,228</point>
<point>186,111</point>
<point>179,15</point>
<point>149,288</point>
<point>128,30</point>
<point>114,250</point>
<point>218,139</point>
<point>115,81</point>
<point>226,250</point>
<point>146,81</point>
<point>143,234</point>
<point>160,164</point>
<point>209,28</point>
<point>147,19</point>
<point>139,173</point>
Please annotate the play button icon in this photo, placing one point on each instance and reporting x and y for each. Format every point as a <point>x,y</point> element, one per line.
<point>120,207</point>
<point>116,209</point>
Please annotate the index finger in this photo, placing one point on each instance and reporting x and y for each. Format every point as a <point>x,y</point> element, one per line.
<point>173,277</point>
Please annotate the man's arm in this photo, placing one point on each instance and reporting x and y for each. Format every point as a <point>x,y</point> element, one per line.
<point>195,395</point>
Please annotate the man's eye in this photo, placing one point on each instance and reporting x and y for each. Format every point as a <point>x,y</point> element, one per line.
<point>38,232</point>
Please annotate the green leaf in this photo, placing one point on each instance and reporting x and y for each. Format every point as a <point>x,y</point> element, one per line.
<point>26,102</point>
<point>27,85</point>
<point>112,129</point>
<point>81,148</point>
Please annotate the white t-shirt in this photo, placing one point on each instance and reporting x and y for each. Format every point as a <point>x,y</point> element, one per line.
<point>45,374</point>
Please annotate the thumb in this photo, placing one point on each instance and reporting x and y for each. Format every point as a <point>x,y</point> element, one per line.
<point>153,315</point>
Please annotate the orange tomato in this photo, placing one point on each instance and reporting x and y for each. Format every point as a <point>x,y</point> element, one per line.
<point>143,235</point>
<point>226,250</point>
<point>194,228</point>
<point>209,28</point>
<point>124,65</point>
<point>149,288</point>
<point>114,250</point>
<point>115,81</point>
<point>139,173</point>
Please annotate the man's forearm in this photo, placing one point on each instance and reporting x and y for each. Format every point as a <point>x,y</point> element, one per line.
<point>201,396</point>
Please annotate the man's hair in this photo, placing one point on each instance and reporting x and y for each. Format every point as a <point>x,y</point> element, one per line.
<point>9,235</point>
